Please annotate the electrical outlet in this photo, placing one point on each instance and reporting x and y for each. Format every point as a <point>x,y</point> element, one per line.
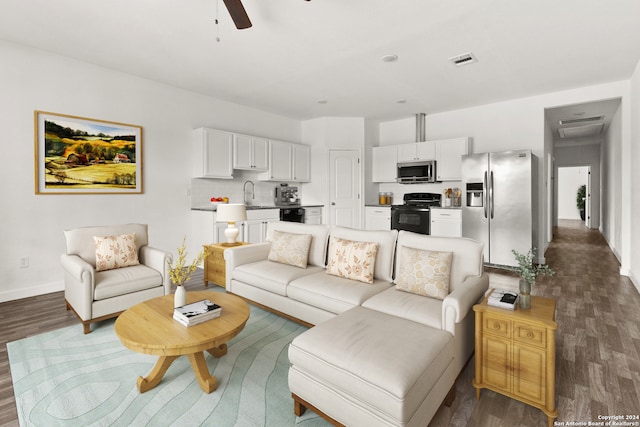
<point>24,262</point>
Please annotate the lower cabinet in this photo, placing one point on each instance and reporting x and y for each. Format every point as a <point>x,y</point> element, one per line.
<point>515,353</point>
<point>206,230</point>
<point>378,218</point>
<point>446,222</point>
<point>254,229</point>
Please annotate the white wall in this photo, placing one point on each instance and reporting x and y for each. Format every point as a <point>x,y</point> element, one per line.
<point>612,199</point>
<point>634,193</point>
<point>31,225</point>
<point>570,179</point>
<point>514,125</point>
<point>325,134</point>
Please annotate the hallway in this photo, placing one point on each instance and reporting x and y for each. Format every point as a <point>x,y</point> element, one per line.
<point>598,341</point>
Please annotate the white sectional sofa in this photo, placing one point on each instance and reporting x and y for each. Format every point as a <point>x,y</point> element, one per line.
<point>377,356</point>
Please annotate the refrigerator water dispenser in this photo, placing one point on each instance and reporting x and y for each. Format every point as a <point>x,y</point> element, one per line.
<point>474,194</point>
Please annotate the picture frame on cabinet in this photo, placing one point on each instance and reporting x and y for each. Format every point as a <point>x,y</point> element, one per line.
<point>79,155</point>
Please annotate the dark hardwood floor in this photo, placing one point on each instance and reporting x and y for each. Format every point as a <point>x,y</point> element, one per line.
<point>598,340</point>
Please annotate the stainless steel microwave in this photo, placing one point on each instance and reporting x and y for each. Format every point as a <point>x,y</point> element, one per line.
<point>416,172</point>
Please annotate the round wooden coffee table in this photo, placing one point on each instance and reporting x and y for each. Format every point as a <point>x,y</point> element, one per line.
<point>149,328</point>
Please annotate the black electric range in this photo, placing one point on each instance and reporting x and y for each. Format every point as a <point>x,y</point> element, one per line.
<point>414,215</point>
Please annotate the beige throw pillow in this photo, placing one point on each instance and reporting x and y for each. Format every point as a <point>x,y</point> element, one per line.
<point>424,272</point>
<point>116,251</point>
<point>352,260</point>
<point>290,248</point>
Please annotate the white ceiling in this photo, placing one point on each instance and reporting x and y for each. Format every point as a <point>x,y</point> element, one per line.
<point>299,53</point>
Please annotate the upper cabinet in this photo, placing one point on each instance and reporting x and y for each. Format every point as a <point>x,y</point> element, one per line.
<point>449,154</point>
<point>288,162</point>
<point>446,152</point>
<point>417,151</point>
<point>301,163</point>
<point>384,163</point>
<point>280,162</point>
<point>212,154</point>
<point>250,153</point>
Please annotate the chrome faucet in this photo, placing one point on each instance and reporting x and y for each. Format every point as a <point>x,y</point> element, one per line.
<point>244,191</point>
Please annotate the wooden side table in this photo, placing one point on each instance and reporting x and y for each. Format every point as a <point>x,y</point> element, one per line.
<point>215,269</point>
<point>516,353</point>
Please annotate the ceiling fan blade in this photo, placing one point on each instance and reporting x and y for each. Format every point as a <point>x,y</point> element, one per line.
<point>238,14</point>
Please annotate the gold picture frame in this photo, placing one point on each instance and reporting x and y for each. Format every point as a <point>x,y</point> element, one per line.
<point>79,155</point>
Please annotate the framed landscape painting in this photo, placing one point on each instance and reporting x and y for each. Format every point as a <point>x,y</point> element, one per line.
<point>77,155</point>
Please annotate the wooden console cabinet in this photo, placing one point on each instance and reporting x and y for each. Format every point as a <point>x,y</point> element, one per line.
<point>516,353</point>
<point>215,268</point>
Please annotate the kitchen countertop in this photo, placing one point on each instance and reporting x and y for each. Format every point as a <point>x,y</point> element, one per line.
<point>213,208</point>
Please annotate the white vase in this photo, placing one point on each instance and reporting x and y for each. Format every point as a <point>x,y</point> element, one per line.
<point>180,297</point>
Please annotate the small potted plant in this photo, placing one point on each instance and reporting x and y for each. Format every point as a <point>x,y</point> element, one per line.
<point>528,272</point>
<point>580,200</point>
<point>180,273</point>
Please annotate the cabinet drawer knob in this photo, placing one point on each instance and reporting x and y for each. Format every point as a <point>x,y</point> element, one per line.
<point>529,334</point>
<point>496,326</point>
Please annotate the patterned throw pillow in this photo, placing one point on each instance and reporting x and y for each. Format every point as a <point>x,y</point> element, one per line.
<point>352,260</point>
<point>290,248</point>
<point>116,251</point>
<point>424,272</point>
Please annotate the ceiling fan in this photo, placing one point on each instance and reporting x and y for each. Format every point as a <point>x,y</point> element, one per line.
<point>238,13</point>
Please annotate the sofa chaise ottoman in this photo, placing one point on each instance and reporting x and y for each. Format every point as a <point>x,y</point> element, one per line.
<point>373,369</point>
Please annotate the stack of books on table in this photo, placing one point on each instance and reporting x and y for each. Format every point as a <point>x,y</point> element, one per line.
<point>197,312</point>
<point>503,298</point>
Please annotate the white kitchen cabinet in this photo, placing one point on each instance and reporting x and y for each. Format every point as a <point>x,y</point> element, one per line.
<point>425,150</point>
<point>449,154</point>
<point>313,215</point>
<point>384,163</point>
<point>250,153</point>
<point>301,163</point>
<point>377,217</point>
<point>254,229</point>
<point>446,222</point>
<point>212,154</point>
<point>280,162</point>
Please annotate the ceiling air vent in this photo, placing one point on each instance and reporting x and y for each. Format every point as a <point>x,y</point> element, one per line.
<point>581,131</point>
<point>464,59</point>
<point>581,120</point>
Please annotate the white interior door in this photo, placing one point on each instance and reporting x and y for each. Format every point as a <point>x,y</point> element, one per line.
<point>344,188</point>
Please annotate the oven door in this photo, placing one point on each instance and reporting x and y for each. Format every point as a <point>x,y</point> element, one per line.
<point>292,214</point>
<point>413,219</point>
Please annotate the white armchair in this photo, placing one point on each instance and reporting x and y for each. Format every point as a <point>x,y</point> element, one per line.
<point>98,295</point>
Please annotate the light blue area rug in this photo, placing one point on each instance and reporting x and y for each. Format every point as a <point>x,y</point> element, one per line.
<point>66,378</point>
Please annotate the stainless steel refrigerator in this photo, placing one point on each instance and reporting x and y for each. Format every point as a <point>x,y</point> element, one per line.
<point>500,209</point>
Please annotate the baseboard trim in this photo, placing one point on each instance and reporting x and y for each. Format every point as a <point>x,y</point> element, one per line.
<point>634,280</point>
<point>31,292</point>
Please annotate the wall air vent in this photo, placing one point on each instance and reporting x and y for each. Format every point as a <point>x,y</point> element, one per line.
<point>581,120</point>
<point>464,59</point>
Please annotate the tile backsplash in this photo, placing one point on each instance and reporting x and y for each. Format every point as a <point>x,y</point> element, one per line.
<point>203,189</point>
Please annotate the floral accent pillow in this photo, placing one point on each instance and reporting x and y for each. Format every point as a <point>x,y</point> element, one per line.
<point>424,272</point>
<point>352,260</point>
<point>116,251</point>
<point>290,248</point>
